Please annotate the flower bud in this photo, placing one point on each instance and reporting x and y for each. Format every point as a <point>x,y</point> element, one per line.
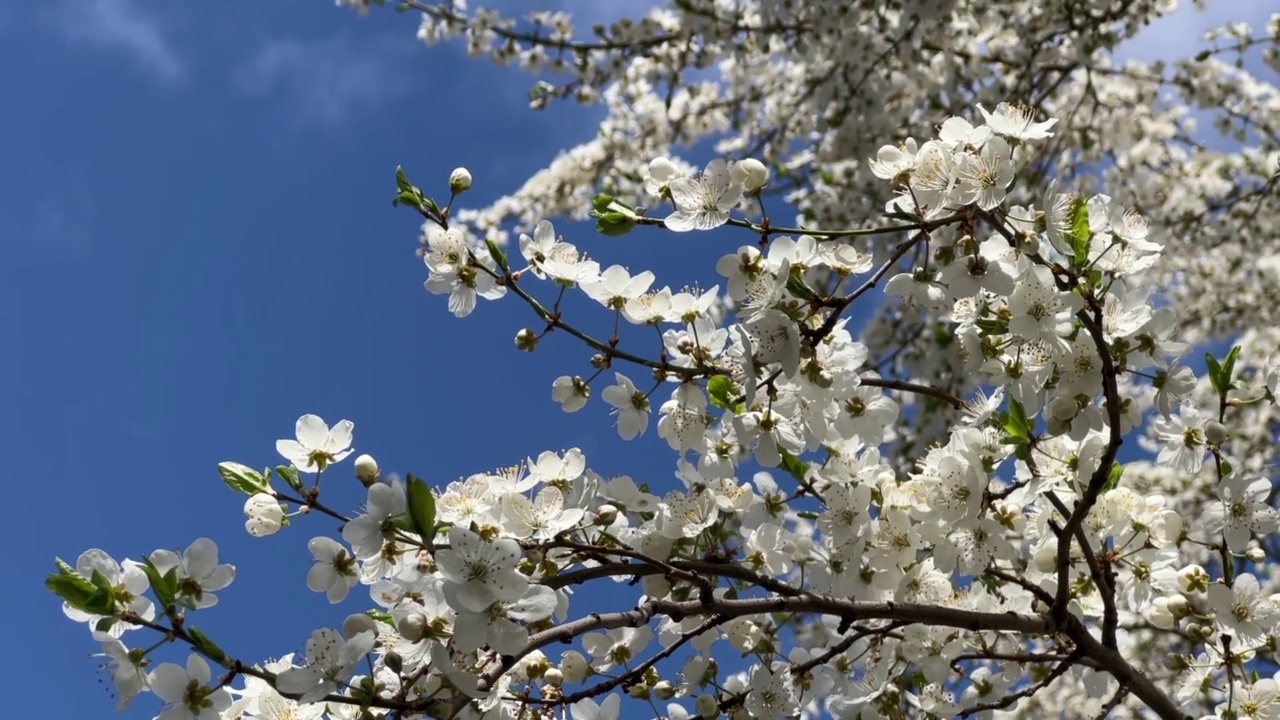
<point>802,548</point>
<point>573,667</point>
<point>1178,606</point>
<point>553,677</point>
<point>413,626</point>
<point>1160,616</point>
<point>605,515</point>
<point>1063,408</point>
<point>393,661</point>
<point>527,340</point>
<point>707,706</point>
<point>357,623</point>
<point>656,586</point>
<point>1255,554</point>
<point>664,690</point>
<point>1176,663</point>
<point>459,180</point>
<point>366,470</point>
<point>264,515</point>
<point>1215,432</point>
<point>532,667</point>
<point>751,173</point>
<point>639,691</point>
<point>1046,558</point>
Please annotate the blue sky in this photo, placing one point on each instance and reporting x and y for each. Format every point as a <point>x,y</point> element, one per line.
<point>195,203</point>
<point>202,248</point>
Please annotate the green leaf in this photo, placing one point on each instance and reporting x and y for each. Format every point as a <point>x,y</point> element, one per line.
<point>601,202</point>
<point>1229,367</point>
<point>795,467</point>
<point>422,508</point>
<point>380,616</point>
<point>205,646</point>
<point>498,256</point>
<point>407,197</point>
<point>105,624</point>
<point>242,479</point>
<point>808,514</point>
<point>1016,423</point>
<point>722,391</point>
<point>289,474</point>
<point>402,180</point>
<point>992,327</point>
<point>1203,55</point>
<point>796,286</point>
<point>164,586</point>
<point>1113,476</point>
<point>614,224</point>
<point>74,588</point>
<point>1081,235</point>
<point>1215,371</point>
<point>103,599</point>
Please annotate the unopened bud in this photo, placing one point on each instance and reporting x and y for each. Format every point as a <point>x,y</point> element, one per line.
<point>1215,432</point>
<point>1178,606</point>
<point>1046,558</point>
<point>1063,408</point>
<point>459,180</point>
<point>656,586</point>
<point>412,627</point>
<point>357,623</point>
<point>605,515</point>
<point>664,690</point>
<point>1176,663</point>
<point>1160,616</point>
<point>553,677</point>
<point>1255,554</point>
<point>707,706</point>
<point>752,174</point>
<point>638,691</point>
<point>574,667</point>
<point>366,470</point>
<point>393,661</point>
<point>527,340</point>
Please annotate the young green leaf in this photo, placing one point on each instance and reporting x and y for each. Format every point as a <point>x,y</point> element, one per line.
<point>205,646</point>
<point>289,474</point>
<point>1081,235</point>
<point>74,588</point>
<point>722,391</point>
<point>794,466</point>
<point>422,508</point>
<point>241,478</point>
<point>164,586</point>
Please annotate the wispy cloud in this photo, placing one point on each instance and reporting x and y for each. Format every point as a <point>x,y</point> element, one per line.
<point>324,81</point>
<point>123,26</point>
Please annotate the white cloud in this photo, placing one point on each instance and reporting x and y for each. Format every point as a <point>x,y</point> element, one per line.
<point>122,26</point>
<point>324,81</point>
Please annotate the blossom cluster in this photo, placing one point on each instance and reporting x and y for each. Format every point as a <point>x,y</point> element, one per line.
<point>1017,537</point>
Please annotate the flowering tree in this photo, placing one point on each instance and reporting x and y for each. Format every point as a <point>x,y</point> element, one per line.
<point>909,507</point>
